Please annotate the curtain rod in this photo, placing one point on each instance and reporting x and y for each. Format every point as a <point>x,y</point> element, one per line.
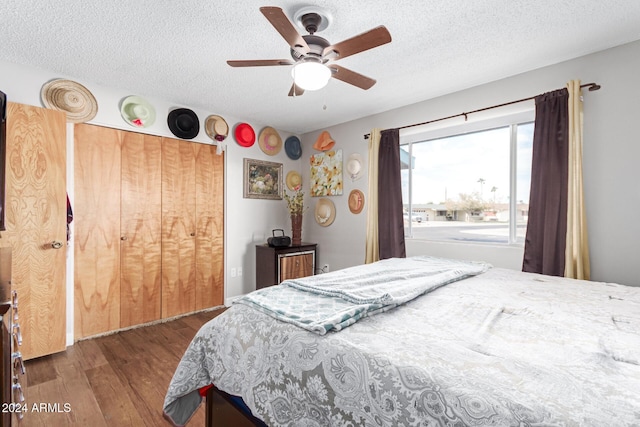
<point>591,86</point>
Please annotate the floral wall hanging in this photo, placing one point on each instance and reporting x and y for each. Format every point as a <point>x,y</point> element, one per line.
<point>326,174</point>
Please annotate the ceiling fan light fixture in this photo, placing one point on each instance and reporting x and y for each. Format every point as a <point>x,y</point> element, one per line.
<point>310,75</point>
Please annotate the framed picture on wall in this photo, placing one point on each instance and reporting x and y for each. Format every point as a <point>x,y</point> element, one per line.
<point>262,179</point>
<point>326,174</point>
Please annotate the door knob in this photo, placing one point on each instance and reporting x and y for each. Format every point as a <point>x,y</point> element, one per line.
<point>123,238</point>
<point>56,245</point>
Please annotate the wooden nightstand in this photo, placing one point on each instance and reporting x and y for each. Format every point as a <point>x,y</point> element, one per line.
<point>273,265</point>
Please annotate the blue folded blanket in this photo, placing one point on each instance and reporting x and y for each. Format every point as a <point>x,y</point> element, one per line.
<point>336,300</point>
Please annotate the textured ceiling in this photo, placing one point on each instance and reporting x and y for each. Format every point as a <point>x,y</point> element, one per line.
<point>177,50</point>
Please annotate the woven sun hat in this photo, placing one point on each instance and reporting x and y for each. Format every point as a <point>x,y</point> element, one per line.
<point>137,112</point>
<point>293,180</point>
<point>245,135</point>
<point>293,148</point>
<point>356,201</point>
<point>270,141</point>
<point>71,97</point>
<point>216,127</point>
<point>324,142</point>
<point>183,123</point>
<point>354,166</point>
<point>325,212</point>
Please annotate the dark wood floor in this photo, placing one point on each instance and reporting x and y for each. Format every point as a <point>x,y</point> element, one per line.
<point>115,380</point>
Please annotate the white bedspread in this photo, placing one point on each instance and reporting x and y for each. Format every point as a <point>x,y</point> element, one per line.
<point>503,348</point>
<point>337,300</point>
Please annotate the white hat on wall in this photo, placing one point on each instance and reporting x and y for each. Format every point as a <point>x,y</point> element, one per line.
<point>354,166</point>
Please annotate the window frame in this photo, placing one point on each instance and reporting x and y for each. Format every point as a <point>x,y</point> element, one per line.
<point>505,120</point>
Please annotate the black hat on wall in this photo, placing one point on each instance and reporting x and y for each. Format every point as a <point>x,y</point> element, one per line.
<point>183,123</point>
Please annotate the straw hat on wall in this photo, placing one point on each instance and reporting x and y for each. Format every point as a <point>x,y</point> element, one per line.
<point>71,97</point>
<point>270,141</point>
<point>293,180</point>
<point>356,201</point>
<point>325,212</point>
<point>216,128</point>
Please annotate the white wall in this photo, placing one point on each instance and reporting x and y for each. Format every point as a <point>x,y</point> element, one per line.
<point>611,155</point>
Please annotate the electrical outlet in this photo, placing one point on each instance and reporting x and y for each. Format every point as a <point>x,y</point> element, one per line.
<point>239,271</point>
<point>233,272</point>
<point>325,268</point>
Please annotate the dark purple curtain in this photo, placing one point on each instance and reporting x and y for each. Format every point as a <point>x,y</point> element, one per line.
<point>547,226</point>
<point>390,223</point>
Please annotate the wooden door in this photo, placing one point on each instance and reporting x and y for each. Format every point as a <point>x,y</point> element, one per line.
<point>97,170</point>
<point>141,232</point>
<point>36,207</point>
<point>178,227</point>
<point>209,227</point>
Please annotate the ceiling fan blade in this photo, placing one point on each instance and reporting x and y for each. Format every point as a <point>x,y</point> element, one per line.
<point>260,62</point>
<point>281,23</point>
<point>351,77</point>
<point>295,90</point>
<point>365,41</point>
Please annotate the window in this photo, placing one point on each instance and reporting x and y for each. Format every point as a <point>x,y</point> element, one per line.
<point>468,187</point>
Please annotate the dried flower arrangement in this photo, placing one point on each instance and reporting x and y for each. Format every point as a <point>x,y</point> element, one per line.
<point>295,203</point>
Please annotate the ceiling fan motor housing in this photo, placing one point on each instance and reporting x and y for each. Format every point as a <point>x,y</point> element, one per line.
<point>316,47</point>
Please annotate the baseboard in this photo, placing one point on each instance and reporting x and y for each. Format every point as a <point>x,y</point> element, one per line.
<point>229,301</point>
<point>142,325</point>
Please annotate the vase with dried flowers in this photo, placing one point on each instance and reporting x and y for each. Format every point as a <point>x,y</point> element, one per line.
<point>295,204</point>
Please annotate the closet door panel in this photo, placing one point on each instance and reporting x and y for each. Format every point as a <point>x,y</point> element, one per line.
<point>97,229</point>
<point>210,227</point>
<point>141,229</point>
<point>36,207</point>
<point>178,227</point>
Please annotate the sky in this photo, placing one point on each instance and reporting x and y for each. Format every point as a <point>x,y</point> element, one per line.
<point>446,167</point>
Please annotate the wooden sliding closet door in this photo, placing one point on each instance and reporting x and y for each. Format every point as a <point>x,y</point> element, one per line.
<point>141,236</point>
<point>210,227</point>
<point>178,227</point>
<point>118,229</point>
<point>36,207</point>
<point>149,228</point>
<point>97,229</point>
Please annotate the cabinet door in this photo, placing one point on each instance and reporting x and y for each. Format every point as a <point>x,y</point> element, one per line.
<point>141,229</point>
<point>209,227</point>
<point>97,170</point>
<point>178,227</point>
<point>36,207</point>
<point>296,266</point>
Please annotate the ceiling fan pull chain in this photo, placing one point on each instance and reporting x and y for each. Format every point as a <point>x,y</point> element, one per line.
<point>293,74</point>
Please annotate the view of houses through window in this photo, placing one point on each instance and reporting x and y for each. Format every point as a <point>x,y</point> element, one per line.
<point>471,187</point>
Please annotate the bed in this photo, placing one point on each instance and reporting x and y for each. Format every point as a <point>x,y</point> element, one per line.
<point>474,346</point>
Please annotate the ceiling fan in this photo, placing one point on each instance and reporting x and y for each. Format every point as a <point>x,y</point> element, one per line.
<point>313,54</point>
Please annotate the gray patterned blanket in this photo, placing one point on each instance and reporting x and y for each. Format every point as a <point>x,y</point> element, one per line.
<point>502,348</point>
<point>336,300</point>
